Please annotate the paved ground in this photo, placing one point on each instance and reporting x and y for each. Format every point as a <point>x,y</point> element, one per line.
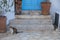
<point>54,35</point>
<point>38,29</point>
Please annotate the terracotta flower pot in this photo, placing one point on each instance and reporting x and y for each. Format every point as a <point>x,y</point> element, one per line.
<point>2,24</point>
<point>45,7</point>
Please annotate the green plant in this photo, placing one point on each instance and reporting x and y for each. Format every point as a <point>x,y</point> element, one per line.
<point>5,6</point>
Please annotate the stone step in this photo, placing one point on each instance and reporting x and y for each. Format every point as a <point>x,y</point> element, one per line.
<point>32,24</point>
<point>19,20</point>
<point>33,16</point>
<point>31,21</point>
<point>33,27</point>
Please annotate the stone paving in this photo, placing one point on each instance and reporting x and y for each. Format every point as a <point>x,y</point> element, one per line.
<point>54,35</point>
<point>33,29</point>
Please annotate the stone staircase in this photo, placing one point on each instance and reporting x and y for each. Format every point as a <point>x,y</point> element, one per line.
<point>29,24</point>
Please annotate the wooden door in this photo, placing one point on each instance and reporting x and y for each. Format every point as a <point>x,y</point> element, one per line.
<point>18,7</point>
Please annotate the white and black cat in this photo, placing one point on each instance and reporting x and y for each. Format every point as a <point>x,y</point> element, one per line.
<point>14,30</point>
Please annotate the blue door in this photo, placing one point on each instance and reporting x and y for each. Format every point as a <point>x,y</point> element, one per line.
<point>32,4</point>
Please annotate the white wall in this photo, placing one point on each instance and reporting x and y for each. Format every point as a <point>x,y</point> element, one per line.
<point>10,15</point>
<point>55,7</point>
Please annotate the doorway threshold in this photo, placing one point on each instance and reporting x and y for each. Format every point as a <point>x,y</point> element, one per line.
<point>32,16</point>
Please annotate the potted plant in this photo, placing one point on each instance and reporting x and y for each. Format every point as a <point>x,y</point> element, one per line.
<point>45,7</point>
<point>4,7</point>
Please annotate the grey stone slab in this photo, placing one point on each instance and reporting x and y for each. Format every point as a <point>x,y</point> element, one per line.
<point>34,36</point>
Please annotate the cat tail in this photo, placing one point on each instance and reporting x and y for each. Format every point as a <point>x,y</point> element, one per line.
<point>20,32</point>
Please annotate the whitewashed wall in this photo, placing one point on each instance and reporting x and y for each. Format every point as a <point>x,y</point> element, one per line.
<point>55,7</point>
<point>10,15</point>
